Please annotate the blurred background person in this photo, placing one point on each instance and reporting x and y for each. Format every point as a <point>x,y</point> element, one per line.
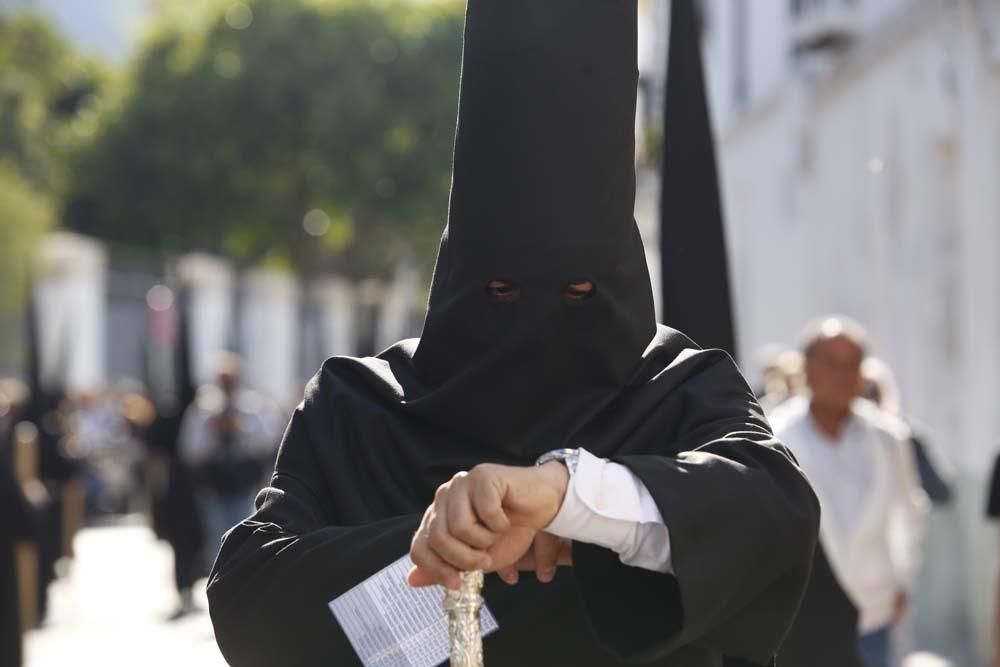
<point>228,438</point>
<point>993,513</point>
<point>780,375</point>
<point>106,430</point>
<point>48,410</point>
<point>881,388</point>
<point>937,620</point>
<point>124,464</point>
<point>861,466</point>
<point>175,514</point>
<point>17,524</point>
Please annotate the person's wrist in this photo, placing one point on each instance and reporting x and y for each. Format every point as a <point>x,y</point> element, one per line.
<point>555,477</point>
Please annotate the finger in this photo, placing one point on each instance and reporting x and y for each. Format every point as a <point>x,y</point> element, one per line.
<point>526,562</point>
<point>565,553</point>
<point>418,578</point>
<point>509,575</point>
<point>452,550</point>
<point>430,569</point>
<point>546,550</point>
<point>488,505</point>
<point>464,524</point>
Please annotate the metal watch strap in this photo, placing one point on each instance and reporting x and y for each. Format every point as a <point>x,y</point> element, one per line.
<point>568,457</point>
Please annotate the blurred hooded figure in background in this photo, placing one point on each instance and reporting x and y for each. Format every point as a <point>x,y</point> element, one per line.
<point>663,522</point>
<point>882,390</point>
<point>19,524</point>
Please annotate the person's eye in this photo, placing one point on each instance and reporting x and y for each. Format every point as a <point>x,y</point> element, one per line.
<point>576,292</point>
<point>501,291</point>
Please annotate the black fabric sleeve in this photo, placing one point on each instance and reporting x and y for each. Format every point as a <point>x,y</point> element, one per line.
<point>937,488</point>
<point>277,571</point>
<point>993,493</point>
<point>743,525</point>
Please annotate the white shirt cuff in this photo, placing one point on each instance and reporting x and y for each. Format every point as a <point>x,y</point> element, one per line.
<point>607,505</point>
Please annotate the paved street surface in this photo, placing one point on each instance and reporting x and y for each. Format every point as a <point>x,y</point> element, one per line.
<point>110,609</point>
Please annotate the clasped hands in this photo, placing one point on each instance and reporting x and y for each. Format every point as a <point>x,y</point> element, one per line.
<point>491,519</point>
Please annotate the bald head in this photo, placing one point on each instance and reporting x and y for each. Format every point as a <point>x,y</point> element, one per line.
<point>834,349</point>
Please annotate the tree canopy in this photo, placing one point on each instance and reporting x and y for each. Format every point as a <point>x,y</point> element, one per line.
<point>47,100</point>
<point>47,110</point>
<point>312,133</point>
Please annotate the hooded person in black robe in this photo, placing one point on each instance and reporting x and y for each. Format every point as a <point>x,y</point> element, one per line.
<point>18,523</point>
<point>540,334</point>
<point>693,248</point>
<point>176,517</point>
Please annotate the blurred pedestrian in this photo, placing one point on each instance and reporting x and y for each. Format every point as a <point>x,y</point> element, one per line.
<point>881,388</point>
<point>176,515</point>
<point>861,466</point>
<point>781,375</point>
<point>937,620</point>
<point>993,513</point>
<point>100,433</point>
<point>228,439</point>
<point>18,524</point>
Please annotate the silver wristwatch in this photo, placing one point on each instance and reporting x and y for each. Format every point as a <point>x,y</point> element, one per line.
<point>568,457</point>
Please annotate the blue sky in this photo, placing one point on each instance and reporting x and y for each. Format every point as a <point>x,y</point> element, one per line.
<point>104,27</point>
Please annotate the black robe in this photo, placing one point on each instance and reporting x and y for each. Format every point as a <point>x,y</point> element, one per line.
<point>17,524</point>
<point>825,631</point>
<point>176,517</point>
<point>352,481</point>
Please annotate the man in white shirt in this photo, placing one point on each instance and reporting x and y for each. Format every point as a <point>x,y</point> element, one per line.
<point>861,467</point>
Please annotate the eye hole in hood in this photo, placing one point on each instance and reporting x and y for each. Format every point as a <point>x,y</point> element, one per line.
<point>502,291</point>
<point>577,292</point>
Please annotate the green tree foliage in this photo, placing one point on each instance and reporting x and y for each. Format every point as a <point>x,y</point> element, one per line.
<point>47,109</point>
<point>25,215</point>
<point>304,132</point>
<point>47,100</point>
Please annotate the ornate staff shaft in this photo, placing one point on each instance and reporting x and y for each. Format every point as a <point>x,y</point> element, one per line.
<point>462,607</point>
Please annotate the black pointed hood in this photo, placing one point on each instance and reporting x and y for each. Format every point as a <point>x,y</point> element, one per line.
<point>695,275</point>
<point>542,196</point>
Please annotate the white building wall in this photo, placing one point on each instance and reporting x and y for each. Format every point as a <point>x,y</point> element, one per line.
<point>717,45</point>
<point>768,25</point>
<point>71,301</point>
<point>401,299</point>
<point>209,281</point>
<point>269,333</point>
<point>335,298</point>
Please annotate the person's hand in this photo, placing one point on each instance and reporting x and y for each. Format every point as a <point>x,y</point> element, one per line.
<point>486,519</point>
<point>899,608</point>
<point>546,553</point>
